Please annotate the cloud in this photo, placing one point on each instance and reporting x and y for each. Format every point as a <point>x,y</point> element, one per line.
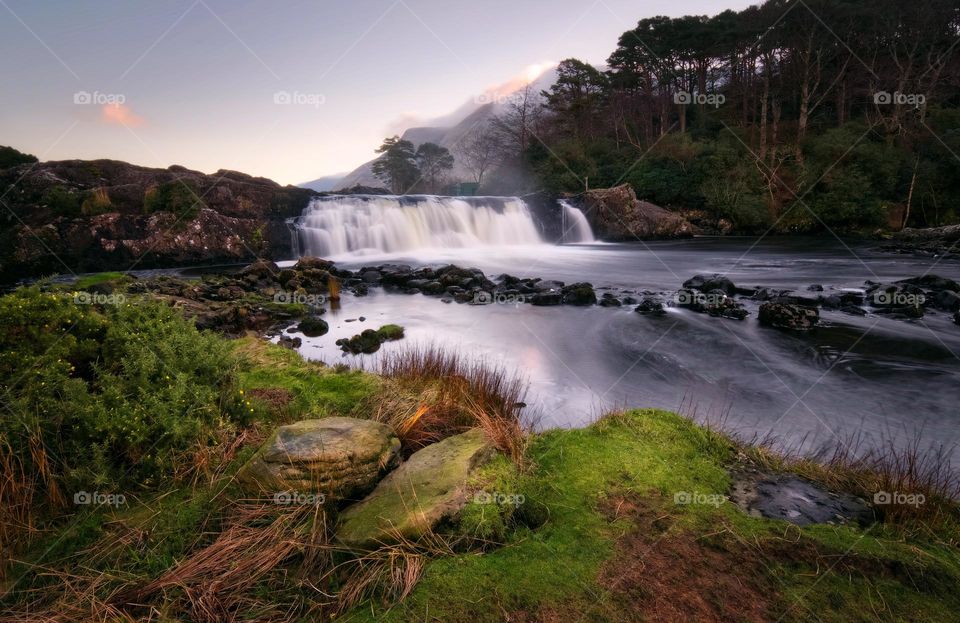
<point>120,114</point>
<point>494,93</point>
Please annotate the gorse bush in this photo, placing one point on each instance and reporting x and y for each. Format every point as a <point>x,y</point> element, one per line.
<point>104,397</point>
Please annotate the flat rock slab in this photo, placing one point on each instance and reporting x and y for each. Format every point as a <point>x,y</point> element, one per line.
<point>797,500</point>
<point>341,457</point>
<point>413,499</point>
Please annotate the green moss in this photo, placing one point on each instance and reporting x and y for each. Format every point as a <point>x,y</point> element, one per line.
<point>654,455</point>
<point>391,332</point>
<point>89,281</point>
<point>314,389</point>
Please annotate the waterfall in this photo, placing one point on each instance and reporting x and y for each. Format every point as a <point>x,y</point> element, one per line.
<point>358,224</point>
<point>576,228</point>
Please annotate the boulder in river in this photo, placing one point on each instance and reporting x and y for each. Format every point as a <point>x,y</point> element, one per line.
<point>430,487</point>
<point>313,327</point>
<point>615,214</point>
<point>651,306</point>
<point>340,457</point>
<point>787,316</point>
<point>579,294</point>
<point>707,283</point>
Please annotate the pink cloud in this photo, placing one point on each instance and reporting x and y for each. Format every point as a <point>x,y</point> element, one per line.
<point>120,114</point>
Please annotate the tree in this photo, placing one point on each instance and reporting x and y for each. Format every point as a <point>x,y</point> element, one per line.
<point>434,162</point>
<point>480,150</point>
<point>397,167</point>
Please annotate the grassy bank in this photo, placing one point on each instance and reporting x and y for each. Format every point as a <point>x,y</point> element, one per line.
<point>624,520</point>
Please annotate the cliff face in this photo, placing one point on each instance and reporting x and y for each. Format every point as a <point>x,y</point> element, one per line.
<point>615,214</point>
<point>82,216</point>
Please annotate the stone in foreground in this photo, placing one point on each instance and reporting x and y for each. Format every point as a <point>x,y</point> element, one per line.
<point>413,499</point>
<point>341,457</point>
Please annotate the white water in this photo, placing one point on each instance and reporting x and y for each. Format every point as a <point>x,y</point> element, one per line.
<point>575,226</point>
<point>367,224</point>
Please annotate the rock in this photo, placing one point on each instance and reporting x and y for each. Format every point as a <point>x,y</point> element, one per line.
<point>714,303</point>
<point>796,500</point>
<point>933,282</point>
<point>371,276</point>
<point>292,343</point>
<point>430,487</point>
<point>579,294</point>
<point>548,286</point>
<point>706,283</point>
<point>609,300</point>
<point>947,301</point>
<point>315,263</point>
<point>263,269</point>
<point>651,306</point>
<point>815,288</point>
<point>313,327</point>
<point>615,214</point>
<point>546,298</point>
<point>340,457</point>
<point>956,318</point>
<point>786,316</point>
<point>369,341</point>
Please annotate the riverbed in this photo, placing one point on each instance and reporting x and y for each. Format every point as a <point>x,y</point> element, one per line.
<point>865,380</point>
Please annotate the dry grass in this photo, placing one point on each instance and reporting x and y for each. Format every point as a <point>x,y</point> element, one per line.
<point>853,466</point>
<point>430,393</point>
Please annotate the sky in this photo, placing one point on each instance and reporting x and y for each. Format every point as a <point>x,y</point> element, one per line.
<point>291,90</point>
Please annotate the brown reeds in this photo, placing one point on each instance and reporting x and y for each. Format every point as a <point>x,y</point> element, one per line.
<point>430,393</point>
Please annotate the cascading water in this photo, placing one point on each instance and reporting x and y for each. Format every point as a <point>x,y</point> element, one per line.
<point>359,224</point>
<point>576,228</point>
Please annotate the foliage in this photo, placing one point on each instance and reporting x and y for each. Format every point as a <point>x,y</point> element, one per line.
<point>95,202</point>
<point>62,201</point>
<point>106,395</point>
<point>397,166</point>
<point>10,157</point>
<point>434,162</point>
<point>763,113</point>
<point>178,196</point>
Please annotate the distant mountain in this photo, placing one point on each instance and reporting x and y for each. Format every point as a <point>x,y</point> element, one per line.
<point>325,183</point>
<point>449,130</point>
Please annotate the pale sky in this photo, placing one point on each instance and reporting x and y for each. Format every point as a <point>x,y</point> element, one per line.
<point>290,90</point>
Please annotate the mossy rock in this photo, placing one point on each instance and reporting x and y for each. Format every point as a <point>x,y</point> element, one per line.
<point>431,487</point>
<point>313,327</point>
<point>340,457</point>
<point>369,341</point>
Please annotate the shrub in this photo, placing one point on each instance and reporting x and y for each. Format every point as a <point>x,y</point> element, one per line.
<point>62,201</point>
<point>96,202</point>
<point>102,398</point>
<point>178,196</point>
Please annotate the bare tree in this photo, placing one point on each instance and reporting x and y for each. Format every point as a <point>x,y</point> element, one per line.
<point>480,150</point>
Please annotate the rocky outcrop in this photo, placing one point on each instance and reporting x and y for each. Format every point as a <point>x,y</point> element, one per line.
<point>931,242</point>
<point>430,487</point>
<point>84,216</point>
<point>339,457</point>
<point>615,214</point>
